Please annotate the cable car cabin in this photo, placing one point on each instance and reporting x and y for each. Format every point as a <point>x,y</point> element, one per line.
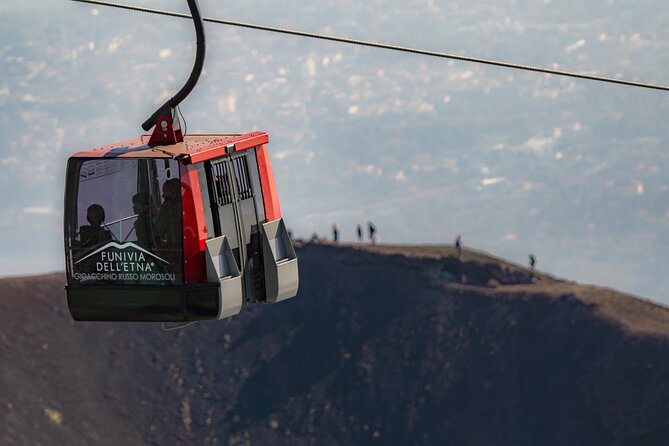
<point>183,232</point>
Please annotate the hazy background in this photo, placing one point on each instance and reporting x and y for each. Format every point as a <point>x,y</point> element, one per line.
<point>573,171</point>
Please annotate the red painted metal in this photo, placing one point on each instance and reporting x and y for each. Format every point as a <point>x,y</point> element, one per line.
<point>225,145</point>
<point>270,197</point>
<point>164,133</point>
<point>194,226</point>
<point>193,149</point>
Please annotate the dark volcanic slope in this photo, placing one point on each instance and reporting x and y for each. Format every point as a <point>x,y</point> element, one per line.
<point>383,345</point>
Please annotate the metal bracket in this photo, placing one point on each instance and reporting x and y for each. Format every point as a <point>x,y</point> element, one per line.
<point>222,269</point>
<point>166,132</point>
<point>169,107</point>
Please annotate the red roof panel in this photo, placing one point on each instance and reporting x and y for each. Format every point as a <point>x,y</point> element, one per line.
<point>194,148</point>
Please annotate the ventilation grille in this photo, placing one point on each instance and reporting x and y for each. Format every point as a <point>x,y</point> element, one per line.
<point>242,177</point>
<point>221,186</point>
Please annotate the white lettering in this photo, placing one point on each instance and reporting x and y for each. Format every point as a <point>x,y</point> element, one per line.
<point>158,277</point>
<point>128,266</point>
<point>122,256</point>
<point>124,267</point>
<point>87,277</point>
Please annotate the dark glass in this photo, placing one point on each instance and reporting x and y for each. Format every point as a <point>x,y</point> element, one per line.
<point>254,176</point>
<point>123,222</point>
<point>244,167</point>
<point>235,197</point>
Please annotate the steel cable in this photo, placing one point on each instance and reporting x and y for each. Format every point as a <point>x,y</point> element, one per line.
<point>385,46</point>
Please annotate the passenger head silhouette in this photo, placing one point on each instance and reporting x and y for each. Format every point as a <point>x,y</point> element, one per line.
<point>95,215</point>
<point>140,202</point>
<point>172,190</point>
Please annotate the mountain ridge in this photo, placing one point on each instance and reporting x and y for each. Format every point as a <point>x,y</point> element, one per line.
<point>377,348</point>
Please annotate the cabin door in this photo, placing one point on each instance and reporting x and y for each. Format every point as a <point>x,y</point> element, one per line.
<point>237,194</point>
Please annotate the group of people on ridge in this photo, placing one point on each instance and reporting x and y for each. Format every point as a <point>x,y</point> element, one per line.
<point>371,230</point>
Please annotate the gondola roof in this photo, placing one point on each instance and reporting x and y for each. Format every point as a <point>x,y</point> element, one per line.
<point>193,149</point>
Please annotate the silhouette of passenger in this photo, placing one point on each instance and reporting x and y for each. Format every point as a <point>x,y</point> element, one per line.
<point>533,261</point>
<point>372,232</point>
<point>141,206</point>
<point>94,233</point>
<point>169,219</point>
<point>359,233</point>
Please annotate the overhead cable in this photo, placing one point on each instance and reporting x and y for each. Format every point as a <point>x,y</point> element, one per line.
<point>385,46</point>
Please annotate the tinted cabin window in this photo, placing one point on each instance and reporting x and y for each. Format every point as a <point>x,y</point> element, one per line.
<point>253,277</point>
<point>242,178</point>
<point>221,184</point>
<point>223,201</point>
<point>123,222</point>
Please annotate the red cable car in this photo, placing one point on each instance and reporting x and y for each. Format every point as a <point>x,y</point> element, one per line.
<point>170,228</point>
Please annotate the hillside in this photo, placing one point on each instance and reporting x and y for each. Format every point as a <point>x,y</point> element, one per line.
<point>383,345</point>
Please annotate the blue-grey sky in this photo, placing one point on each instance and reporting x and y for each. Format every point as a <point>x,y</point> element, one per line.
<point>573,171</point>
